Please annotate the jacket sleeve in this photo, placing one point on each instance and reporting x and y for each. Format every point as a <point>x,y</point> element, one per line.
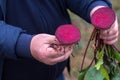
<point>8,38</point>
<point>14,42</point>
<point>83,7</point>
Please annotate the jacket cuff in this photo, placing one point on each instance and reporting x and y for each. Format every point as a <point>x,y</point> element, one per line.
<point>8,38</point>
<point>94,4</point>
<point>23,46</point>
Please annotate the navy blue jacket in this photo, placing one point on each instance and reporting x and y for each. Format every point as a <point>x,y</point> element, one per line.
<point>19,20</point>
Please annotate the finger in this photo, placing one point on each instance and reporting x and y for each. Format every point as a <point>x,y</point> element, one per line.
<point>50,39</point>
<point>55,52</point>
<point>53,39</point>
<point>69,51</point>
<point>110,37</point>
<point>58,59</point>
<point>49,61</point>
<point>51,52</point>
<point>103,32</point>
<point>61,50</point>
<point>61,58</point>
<point>111,42</point>
<point>65,48</point>
<point>111,31</point>
<point>70,47</point>
<point>108,32</point>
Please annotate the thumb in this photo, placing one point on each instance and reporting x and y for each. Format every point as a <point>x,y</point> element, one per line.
<point>52,39</point>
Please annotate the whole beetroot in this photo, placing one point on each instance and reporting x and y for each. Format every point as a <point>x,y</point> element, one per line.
<point>68,34</point>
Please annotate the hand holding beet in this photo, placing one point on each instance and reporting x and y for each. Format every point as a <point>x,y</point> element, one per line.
<point>67,35</point>
<point>51,49</point>
<point>106,56</point>
<point>42,51</point>
<point>105,20</point>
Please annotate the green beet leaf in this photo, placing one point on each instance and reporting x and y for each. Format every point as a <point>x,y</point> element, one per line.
<point>82,74</point>
<point>116,55</point>
<point>117,77</point>
<point>104,72</point>
<point>99,59</point>
<point>93,74</point>
<point>98,64</point>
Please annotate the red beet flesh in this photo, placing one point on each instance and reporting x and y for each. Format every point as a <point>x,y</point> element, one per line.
<point>68,34</point>
<point>103,18</point>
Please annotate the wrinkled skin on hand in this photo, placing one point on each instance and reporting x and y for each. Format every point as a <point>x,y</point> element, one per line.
<point>42,51</point>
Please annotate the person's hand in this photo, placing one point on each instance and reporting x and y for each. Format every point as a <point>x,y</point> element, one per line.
<point>110,36</point>
<point>42,50</point>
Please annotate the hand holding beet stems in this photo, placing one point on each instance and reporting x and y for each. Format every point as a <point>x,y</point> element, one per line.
<point>106,56</point>
<point>105,20</point>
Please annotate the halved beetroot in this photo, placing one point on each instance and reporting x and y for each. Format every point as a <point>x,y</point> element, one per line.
<point>103,18</point>
<point>68,34</point>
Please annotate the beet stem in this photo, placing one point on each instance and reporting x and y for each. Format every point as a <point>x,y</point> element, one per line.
<point>91,38</point>
<point>114,47</point>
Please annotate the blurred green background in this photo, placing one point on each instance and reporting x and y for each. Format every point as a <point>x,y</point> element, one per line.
<point>86,30</point>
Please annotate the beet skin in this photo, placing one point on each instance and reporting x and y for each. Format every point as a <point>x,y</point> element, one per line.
<point>103,18</point>
<point>68,34</point>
